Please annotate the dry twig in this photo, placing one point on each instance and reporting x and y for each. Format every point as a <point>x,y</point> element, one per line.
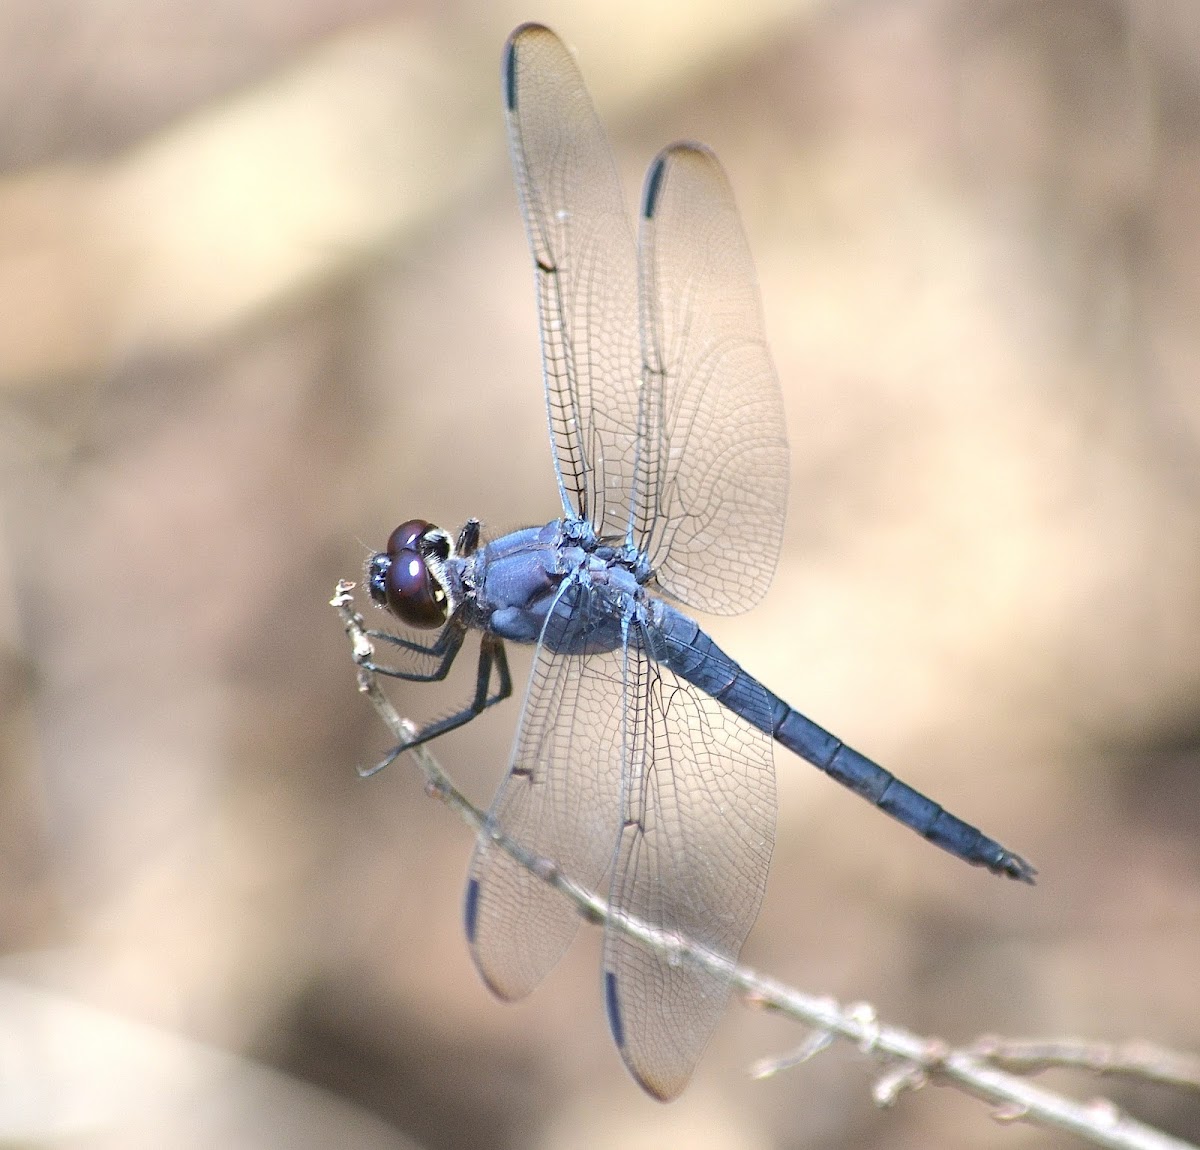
<point>988,1069</point>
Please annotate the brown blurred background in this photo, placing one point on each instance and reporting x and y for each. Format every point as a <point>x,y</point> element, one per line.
<point>264,293</point>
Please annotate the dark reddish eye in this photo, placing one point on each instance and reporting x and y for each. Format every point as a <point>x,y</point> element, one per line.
<point>406,535</point>
<point>401,581</point>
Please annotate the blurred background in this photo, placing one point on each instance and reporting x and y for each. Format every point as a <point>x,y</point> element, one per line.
<point>264,294</point>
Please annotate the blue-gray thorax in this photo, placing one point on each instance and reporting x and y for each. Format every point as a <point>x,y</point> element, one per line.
<point>592,591</point>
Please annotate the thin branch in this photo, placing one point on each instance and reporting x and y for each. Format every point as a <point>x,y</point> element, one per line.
<point>1136,1059</point>
<point>910,1061</point>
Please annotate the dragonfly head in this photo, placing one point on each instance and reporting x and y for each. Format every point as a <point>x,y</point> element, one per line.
<point>409,577</point>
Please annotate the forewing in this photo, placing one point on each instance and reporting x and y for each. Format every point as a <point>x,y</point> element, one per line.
<point>586,267</point>
<point>713,462</point>
<point>559,801</point>
<point>699,826</point>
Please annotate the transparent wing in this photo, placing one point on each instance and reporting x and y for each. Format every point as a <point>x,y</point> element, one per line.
<point>560,801</point>
<point>695,845</point>
<point>713,464</point>
<point>586,266</point>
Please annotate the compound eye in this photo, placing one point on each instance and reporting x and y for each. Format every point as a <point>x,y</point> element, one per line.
<point>405,537</point>
<point>410,591</point>
<point>400,580</point>
<point>377,571</point>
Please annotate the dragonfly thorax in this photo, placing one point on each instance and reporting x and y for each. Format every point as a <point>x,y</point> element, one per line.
<point>615,551</point>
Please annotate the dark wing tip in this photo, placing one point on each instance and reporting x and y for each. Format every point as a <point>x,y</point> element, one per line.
<point>682,151</point>
<point>658,1090</point>
<point>471,909</point>
<point>613,1009</point>
<point>521,32</point>
<point>654,178</point>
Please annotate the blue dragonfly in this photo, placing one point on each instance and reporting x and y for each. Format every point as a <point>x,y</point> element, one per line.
<point>643,761</point>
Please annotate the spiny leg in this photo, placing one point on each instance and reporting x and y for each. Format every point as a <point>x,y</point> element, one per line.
<point>491,654</point>
<point>468,538</point>
<point>444,648</point>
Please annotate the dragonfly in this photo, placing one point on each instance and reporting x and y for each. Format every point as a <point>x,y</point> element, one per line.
<point>643,760</point>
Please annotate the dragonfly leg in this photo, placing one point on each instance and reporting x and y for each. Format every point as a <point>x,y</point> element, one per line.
<point>468,539</point>
<point>444,649</point>
<point>491,655</point>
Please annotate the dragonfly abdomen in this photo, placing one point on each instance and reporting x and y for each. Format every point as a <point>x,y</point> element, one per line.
<point>879,786</point>
<point>691,654</point>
